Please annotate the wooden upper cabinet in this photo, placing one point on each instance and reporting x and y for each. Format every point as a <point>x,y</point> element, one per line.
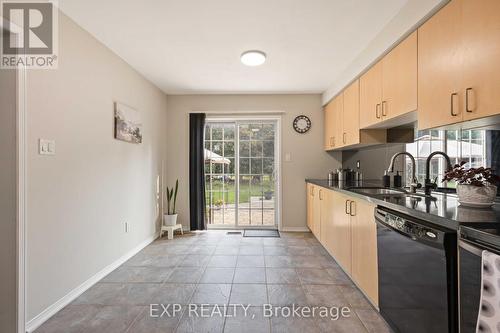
<point>350,119</point>
<point>370,96</point>
<point>329,125</point>
<point>399,79</point>
<point>480,28</point>
<point>389,89</point>
<point>339,121</point>
<point>439,68</point>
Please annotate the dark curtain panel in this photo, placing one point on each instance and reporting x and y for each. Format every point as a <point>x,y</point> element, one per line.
<point>197,171</point>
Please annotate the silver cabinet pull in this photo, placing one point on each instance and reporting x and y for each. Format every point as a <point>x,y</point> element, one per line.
<point>377,111</point>
<point>352,212</point>
<point>384,113</point>
<point>320,197</point>
<point>347,203</point>
<point>467,100</point>
<point>452,108</point>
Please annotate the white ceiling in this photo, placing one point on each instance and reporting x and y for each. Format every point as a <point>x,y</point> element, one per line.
<point>190,46</point>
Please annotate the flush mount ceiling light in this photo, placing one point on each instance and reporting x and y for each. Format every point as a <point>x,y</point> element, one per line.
<point>253,58</point>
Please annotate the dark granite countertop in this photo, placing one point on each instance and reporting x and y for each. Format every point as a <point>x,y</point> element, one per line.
<point>444,211</point>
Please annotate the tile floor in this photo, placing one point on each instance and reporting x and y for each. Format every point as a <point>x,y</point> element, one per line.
<point>215,269</point>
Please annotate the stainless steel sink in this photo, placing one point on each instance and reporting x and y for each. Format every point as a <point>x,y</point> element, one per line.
<point>377,191</point>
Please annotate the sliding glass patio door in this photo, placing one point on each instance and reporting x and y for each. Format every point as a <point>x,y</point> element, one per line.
<point>241,178</point>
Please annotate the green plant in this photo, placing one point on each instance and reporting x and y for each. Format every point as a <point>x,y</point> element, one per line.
<point>172,198</point>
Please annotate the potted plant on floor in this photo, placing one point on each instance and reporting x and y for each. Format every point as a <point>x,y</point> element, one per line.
<point>170,219</point>
<point>476,187</point>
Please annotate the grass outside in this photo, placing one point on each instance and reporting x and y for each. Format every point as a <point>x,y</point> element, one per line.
<point>229,194</point>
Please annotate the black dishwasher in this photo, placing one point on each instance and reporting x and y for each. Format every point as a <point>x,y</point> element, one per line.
<point>417,267</point>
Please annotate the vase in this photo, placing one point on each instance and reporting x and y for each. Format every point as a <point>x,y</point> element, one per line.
<point>476,196</point>
<point>170,220</point>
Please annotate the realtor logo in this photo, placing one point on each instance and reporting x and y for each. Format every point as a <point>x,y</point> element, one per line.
<point>30,37</point>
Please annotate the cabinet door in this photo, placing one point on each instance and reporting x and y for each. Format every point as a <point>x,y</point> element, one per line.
<point>309,196</point>
<point>340,240</point>
<point>329,125</point>
<point>316,218</point>
<point>439,68</point>
<point>339,121</point>
<point>350,135</point>
<point>364,248</point>
<point>370,96</point>
<point>481,58</point>
<point>327,208</point>
<point>399,79</point>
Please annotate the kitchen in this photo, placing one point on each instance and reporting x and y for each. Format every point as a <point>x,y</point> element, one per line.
<point>265,166</point>
<point>415,248</point>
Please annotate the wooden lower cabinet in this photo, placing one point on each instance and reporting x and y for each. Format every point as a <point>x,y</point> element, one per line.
<point>310,208</point>
<point>364,268</point>
<point>346,227</point>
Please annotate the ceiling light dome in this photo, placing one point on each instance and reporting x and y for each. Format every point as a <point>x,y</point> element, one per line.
<point>253,58</point>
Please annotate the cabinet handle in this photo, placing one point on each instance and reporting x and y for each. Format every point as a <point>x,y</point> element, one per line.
<point>467,100</point>
<point>377,111</point>
<point>452,109</point>
<point>320,197</point>
<point>352,212</point>
<point>312,191</point>
<point>343,137</point>
<point>347,203</point>
<point>384,113</point>
<point>333,141</point>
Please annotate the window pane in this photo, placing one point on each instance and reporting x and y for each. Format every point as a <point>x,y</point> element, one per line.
<point>244,166</point>
<point>256,131</point>
<point>244,148</point>
<point>256,149</point>
<point>217,147</point>
<point>268,131</point>
<point>268,165</point>
<point>217,133</point>
<point>256,166</point>
<point>244,132</point>
<point>229,167</point>
<point>228,149</point>
<point>229,132</point>
<point>268,147</point>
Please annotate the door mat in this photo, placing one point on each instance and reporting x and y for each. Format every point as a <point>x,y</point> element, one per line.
<point>261,233</point>
<point>233,233</point>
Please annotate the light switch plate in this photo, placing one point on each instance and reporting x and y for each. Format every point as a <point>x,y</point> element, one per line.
<point>46,147</point>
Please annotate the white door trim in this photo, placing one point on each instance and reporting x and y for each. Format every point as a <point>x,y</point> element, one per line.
<point>21,182</point>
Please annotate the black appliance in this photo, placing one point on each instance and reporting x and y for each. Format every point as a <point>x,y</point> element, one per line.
<point>472,242</point>
<point>417,273</point>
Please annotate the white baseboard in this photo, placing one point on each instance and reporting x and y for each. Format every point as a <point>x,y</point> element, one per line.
<point>42,317</point>
<point>295,229</point>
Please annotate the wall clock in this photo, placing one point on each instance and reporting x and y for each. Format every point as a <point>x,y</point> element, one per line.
<point>301,124</point>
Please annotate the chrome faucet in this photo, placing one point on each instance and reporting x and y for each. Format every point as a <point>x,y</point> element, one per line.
<point>429,185</point>
<point>414,181</point>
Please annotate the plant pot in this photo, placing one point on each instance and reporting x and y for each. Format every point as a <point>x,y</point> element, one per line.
<point>170,220</point>
<point>476,196</point>
<point>268,195</point>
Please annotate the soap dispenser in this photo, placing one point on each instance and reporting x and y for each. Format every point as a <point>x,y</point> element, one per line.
<point>397,180</point>
<point>386,179</point>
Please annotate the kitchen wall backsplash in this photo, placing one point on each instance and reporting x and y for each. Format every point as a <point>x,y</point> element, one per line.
<point>373,161</point>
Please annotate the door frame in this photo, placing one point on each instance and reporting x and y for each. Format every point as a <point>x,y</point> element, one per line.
<point>220,118</point>
<point>21,183</point>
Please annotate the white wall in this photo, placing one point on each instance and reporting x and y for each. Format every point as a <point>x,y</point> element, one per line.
<point>308,158</point>
<point>79,199</point>
<point>8,234</point>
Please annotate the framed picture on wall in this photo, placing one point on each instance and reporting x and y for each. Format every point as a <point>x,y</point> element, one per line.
<point>128,124</point>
